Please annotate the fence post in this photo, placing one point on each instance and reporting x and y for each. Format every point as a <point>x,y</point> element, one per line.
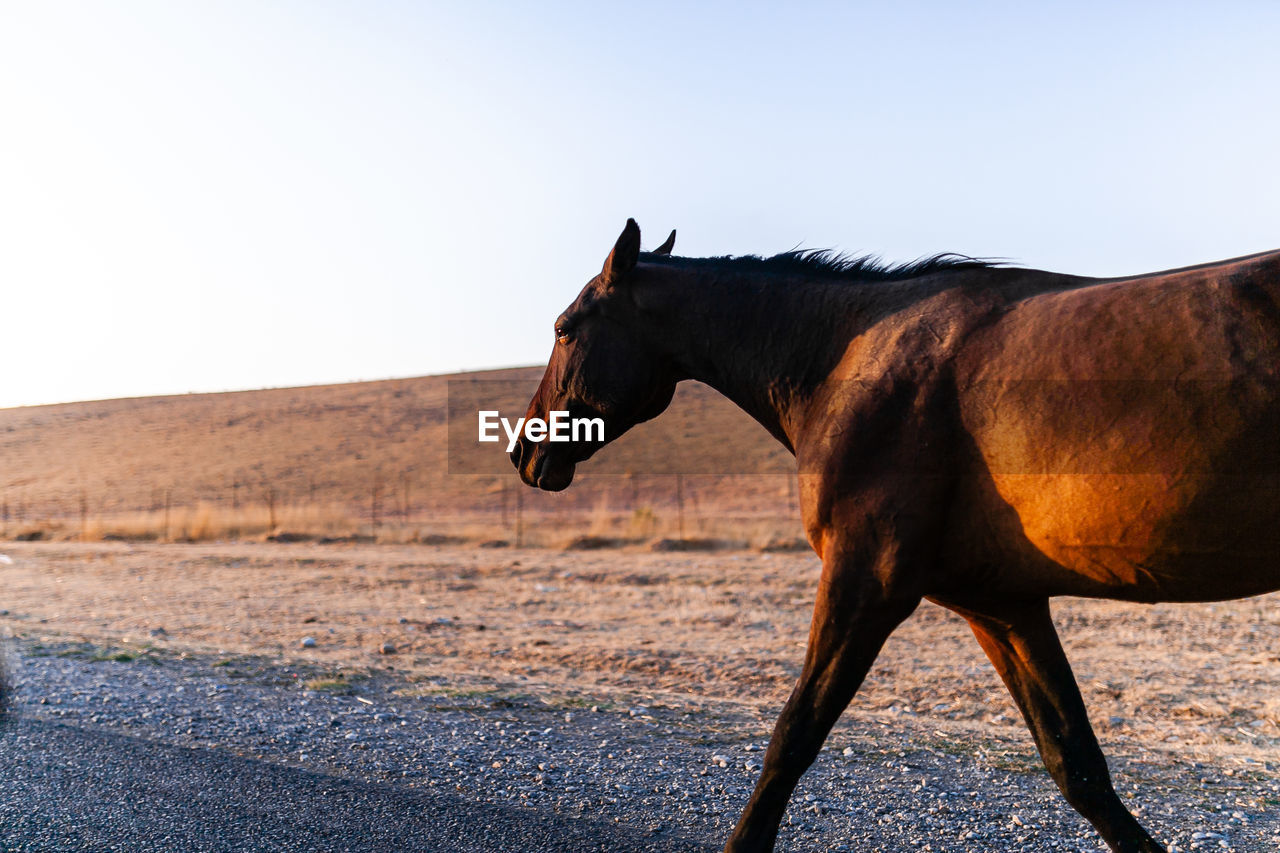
<point>271,510</point>
<point>404,495</point>
<point>519,517</point>
<point>680,504</point>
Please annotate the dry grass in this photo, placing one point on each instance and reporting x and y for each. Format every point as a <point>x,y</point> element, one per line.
<point>368,460</point>
<point>346,459</point>
<point>308,522</point>
<point>207,522</point>
<point>681,629</point>
<point>200,523</point>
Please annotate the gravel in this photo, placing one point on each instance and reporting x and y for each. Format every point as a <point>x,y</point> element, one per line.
<point>658,777</point>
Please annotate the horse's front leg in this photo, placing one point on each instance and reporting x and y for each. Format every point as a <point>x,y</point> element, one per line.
<point>1020,640</point>
<point>860,601</point>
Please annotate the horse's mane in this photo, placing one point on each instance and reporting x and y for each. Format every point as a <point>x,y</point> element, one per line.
<point>828,263</point>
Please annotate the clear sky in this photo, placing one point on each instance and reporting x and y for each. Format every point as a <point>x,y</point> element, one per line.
<point>224,195</point>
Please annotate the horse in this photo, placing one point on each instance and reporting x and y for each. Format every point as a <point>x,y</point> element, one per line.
<point>977,434</point>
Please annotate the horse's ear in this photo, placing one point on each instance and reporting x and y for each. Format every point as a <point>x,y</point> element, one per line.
<point>667,245</point>
<point>622,260</point>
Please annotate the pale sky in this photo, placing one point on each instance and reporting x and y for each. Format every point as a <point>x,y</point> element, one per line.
<point>226,195</point>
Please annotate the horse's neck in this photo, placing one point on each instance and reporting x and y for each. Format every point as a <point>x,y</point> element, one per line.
<point>763,344</point>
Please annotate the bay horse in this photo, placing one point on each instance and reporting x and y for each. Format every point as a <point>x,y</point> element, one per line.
<point>983,436</point>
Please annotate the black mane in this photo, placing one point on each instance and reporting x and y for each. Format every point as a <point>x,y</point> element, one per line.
<point>828,263</point>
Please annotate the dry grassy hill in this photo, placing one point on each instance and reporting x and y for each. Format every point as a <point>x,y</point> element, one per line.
<point>364,458</point>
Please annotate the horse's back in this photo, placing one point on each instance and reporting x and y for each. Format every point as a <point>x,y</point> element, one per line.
<point>1125,430</point>
<point>1214,321</point>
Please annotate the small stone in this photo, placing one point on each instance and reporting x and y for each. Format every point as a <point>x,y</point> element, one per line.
<point>308,642</point>
<point>387,648</point>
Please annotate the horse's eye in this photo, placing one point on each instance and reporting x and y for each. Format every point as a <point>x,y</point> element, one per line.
<point>562,336</point>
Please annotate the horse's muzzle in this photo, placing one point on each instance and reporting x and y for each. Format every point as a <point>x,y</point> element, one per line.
<point>539,467</point>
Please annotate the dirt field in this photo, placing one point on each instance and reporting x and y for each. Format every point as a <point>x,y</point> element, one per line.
<point>674,629</point>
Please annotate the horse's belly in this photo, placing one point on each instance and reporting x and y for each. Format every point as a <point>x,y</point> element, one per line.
<point>1153,536</point>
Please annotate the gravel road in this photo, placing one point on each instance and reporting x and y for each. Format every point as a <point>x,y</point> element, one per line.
<point>119,751</point>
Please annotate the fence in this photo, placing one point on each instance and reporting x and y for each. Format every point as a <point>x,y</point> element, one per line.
<point>402,507</point>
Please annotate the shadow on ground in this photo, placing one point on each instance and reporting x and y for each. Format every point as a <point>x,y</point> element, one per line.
<point>70,789</point>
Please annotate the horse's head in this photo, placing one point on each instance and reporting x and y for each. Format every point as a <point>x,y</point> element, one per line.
<point>602,367</point>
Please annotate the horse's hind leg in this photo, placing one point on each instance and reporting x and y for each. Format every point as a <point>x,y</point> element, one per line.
<point>1021,641</point>
<point>852,617</point>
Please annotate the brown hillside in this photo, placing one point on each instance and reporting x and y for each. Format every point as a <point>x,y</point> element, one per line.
<point>375,451</point>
